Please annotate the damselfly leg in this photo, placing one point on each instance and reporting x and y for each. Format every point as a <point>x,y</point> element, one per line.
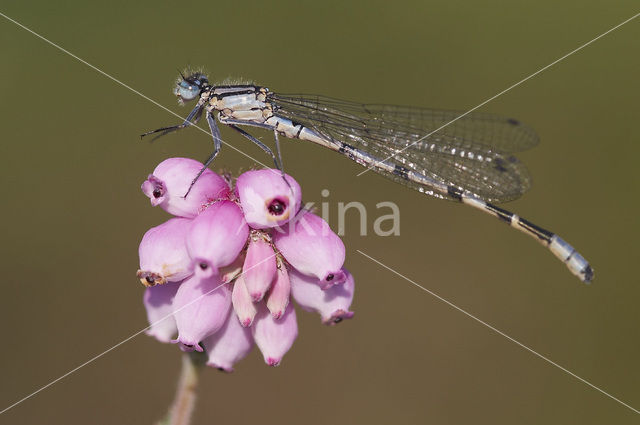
<point>192,118</point>
<point>217,143</point>
<point>281,168</point>
<point>277,161</point>
<point>258,143</point>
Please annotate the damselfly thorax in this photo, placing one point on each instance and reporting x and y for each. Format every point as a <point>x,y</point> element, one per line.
<point>464,157</point>
<point>253,105</point>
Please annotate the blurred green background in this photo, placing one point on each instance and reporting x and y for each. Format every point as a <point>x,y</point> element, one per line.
<point>73,214</point>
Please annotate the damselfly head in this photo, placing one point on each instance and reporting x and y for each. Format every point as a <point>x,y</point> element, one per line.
<point>189,87</point>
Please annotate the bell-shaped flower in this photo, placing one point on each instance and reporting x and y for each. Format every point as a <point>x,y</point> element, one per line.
<point>230,263</point>
<point>216,237</point>
<point>278,298</point>
<point>332,304</point>
<point>229,345</point>
<point>242,302</point>
<point>171,180</point>
<point>259,266</point>
<point>201,307</point>
<point>267,199</point>
<point>311,247</point>
<point>274,337</point>
<point>163,253</point>
<point>158,301</point>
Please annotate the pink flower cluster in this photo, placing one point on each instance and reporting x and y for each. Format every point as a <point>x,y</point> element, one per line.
<point>220,274</point>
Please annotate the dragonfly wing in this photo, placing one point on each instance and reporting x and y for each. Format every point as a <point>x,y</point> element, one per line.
<point>490,130</point>
<point>472,153</point>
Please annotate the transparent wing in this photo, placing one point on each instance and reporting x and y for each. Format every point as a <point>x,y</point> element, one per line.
<point>474,153</point>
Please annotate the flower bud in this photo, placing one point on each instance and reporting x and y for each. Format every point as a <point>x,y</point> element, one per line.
<point>242,302</point>
<point>259,267</point>
<point>278,298</point>
<point>274,337</point>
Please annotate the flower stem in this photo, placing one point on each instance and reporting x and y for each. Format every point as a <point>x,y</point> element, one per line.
<point>183,405</point>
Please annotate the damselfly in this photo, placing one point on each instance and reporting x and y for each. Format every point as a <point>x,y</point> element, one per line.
<point>450,155</point>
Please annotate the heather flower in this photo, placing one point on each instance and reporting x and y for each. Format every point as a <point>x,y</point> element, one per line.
<point>163,253</point>
<point>216,237</point>
<point>278,299</point>
<point>259,266</point>
<point>220,275</point>
<point>332,304</point>
<point>274,336</point>
<point>200,309</point>
<point>171,180</point>
<point>267,199</point>
<point>242,303</point>
<point>230,344</point>
<point>158,301</point>
<point>312,248</point>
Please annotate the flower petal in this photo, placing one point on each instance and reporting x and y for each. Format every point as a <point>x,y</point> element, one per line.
<point>309,245</point>
<point>171,180</point>
<point>266,199</point>
<point>259,267</point>
<point>278,298</point>
<point>229,345</point>
<point>242,303</point>
<point>332,304</point>
<point>163,253</point>
<point>158,301</point>
<point>201,307</point>
<point>216,237</point>
<point>274,337</point>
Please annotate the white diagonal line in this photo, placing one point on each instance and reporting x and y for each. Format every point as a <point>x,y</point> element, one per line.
<point>501,93</point>
<point>248,156</point>
<point>94,358</point>
<point>123,84</point>
<point>162,107</point>
<point>499,332</point>
<point>91,360</point>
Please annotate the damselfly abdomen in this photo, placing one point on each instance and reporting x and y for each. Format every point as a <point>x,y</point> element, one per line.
<point>464,157</point>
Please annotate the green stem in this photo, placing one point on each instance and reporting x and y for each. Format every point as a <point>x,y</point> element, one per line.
<point>183,405</point>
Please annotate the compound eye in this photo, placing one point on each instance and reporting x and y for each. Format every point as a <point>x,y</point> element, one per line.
<point>187,91</point>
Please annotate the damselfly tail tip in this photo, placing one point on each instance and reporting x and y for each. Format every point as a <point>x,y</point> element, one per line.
<point>571,258</point>
<point>587,275</point>
<point>580,267</point>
